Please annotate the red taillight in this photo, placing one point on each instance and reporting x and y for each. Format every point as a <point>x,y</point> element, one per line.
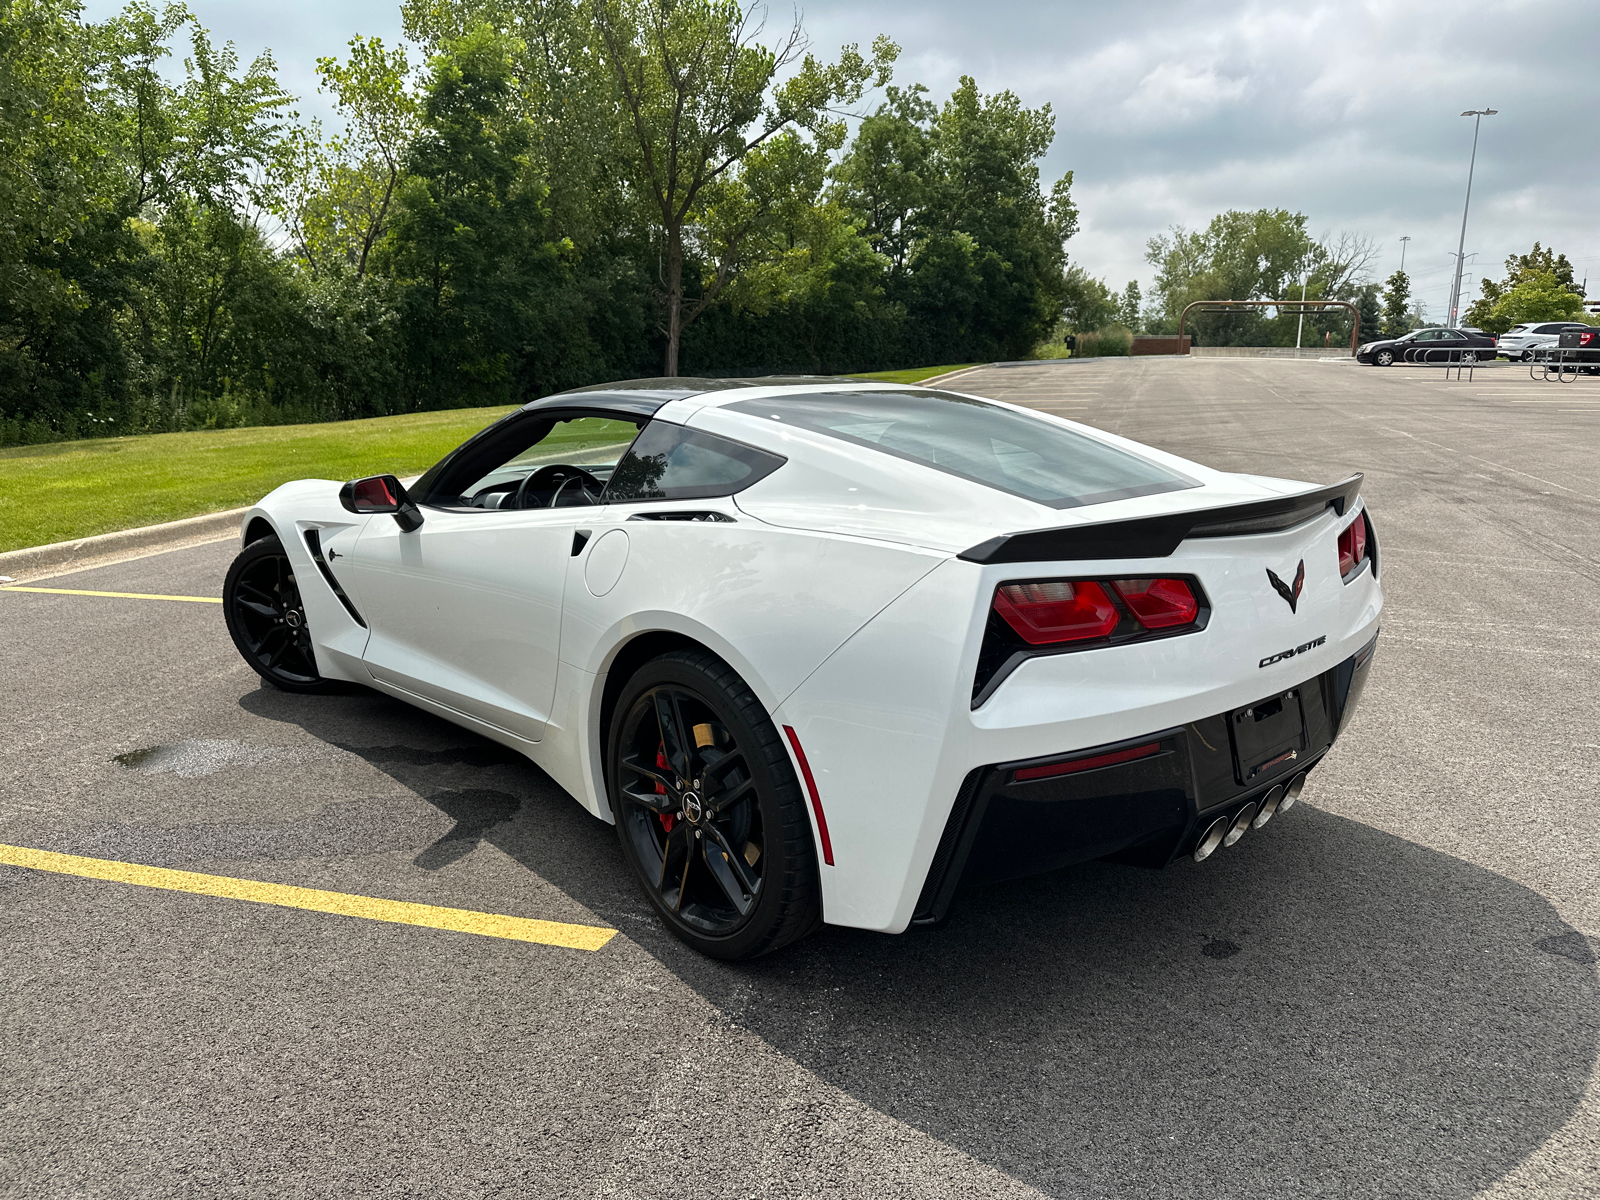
<point>1158,603</point>
<point>1353,545</point>
<point>1053,611</point>
<point>1585,339</point>
<point>1056,611</point>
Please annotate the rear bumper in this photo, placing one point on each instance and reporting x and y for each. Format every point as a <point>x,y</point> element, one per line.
<point>1147,810</point>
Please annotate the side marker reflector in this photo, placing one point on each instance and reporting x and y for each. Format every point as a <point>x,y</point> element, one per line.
<point>1085,764</point>
<point>811,789</point>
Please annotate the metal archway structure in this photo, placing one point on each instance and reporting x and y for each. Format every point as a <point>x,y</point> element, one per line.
<point>1302,306</point>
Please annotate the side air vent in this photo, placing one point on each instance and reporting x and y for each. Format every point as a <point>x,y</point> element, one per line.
<point>684,515</point>
<point>314,544</point>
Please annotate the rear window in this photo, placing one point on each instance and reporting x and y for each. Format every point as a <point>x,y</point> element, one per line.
<point>669,462</point>
<point>1009,451</point>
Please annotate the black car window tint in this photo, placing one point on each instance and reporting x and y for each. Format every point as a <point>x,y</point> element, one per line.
<point>1009,451</point>
<point>671,462</point>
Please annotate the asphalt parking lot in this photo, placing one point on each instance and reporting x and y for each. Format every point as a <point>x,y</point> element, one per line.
<point>1391,991</point>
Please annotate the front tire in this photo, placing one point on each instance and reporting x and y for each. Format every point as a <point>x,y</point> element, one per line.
<point>261,602</point>
<point>711,818</point>
<point>1383,358</point>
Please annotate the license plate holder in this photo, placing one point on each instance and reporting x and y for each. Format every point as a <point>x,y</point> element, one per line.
<point>1269,737</point>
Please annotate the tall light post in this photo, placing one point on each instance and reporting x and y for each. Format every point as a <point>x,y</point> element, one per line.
<point>1403,242</point>
<point>1477,115</point>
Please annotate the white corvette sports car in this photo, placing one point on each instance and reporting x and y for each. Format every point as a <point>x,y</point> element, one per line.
<point>825,650</point>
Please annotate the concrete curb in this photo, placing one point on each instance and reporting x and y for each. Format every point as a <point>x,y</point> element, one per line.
<point>35,562</point>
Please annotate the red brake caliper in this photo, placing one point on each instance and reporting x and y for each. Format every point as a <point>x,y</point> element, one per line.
<point>668,820</point>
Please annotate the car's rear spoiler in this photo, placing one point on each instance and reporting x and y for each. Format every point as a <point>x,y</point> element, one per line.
<point>1159,536</point>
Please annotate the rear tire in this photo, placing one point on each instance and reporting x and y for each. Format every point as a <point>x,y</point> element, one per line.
<point>267,620</point>
<point>711,818</point>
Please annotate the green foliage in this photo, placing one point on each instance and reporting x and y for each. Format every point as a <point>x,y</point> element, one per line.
<point>1396,305</point>
<point>1263,255</point>
<point>1538,287</point>
<point>566,191</point>
<point>952,198</point>
<point>1113,341</point>
<point>1536,296</point>
<point>1130,307</point>
<point>1087,303</point>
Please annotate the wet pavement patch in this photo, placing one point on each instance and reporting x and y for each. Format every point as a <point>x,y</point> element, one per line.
<point>1571,944</point>
<point>194,758</point>
<point>1219,948</point>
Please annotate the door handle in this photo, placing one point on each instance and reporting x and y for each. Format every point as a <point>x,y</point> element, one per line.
<point>580,539</point>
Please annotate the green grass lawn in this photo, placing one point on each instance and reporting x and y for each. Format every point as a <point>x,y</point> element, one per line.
<point>66,490</point>
<point>914,375</point>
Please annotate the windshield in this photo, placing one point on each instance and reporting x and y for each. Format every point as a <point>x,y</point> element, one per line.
<point>1013,452</point>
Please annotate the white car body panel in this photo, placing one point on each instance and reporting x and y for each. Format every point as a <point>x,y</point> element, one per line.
<point>834,586</point>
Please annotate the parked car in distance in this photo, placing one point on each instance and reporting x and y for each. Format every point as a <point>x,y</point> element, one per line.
<point>1520,341</point>
<point>1580,345</point>
<point>1430,345</point>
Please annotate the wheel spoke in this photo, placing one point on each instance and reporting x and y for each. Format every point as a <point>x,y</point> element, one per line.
<point>726,799</point>
<point>727,868</point>
<point>286,645</point>
<point>676,847</point>
<point>673,739</point>
<point>653,774</point>
<point>653,800</point>
<point>257,594</point>
<point>255,606</point>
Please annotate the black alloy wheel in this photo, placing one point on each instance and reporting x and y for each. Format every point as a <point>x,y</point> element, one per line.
<point>261,601</point>
<point>710,815</point>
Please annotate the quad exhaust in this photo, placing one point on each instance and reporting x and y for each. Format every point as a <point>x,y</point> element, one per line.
<point>1230,827</point>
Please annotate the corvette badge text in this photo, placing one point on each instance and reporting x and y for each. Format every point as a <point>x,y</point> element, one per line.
<point>1311,645</point>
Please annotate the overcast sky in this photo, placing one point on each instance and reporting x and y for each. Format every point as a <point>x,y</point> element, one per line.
<point>1172,112</point>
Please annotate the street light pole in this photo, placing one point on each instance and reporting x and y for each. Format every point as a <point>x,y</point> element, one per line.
<point>1477,115</point>
<point>1403,242</point>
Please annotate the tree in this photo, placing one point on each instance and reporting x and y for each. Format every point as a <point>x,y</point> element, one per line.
<point>1129,307</point>
<point>337,197</point>
<point>1490,312</point>
<point>1370,311</point>
<point>1536,296</point>
<point>1397,304</point>
<point>468,245</point>
<point>1087,303</point>
<point>1239,256</point>
<point>695,94</point>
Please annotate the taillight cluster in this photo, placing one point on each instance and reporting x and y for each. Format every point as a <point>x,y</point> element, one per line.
<point>1353,543</point>
<point>1587,339</point>
<point>1053,612</point>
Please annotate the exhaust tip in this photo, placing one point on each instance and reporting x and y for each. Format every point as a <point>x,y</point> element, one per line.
<point>1240,824</point>
<point>1291,794</point>
<point>1269,806</point>
<point>1211,839</point>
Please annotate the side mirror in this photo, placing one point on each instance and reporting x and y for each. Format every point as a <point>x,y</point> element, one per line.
<point>381,494</point>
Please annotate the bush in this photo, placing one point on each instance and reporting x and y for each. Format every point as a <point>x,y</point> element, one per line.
<point>1114,341</point>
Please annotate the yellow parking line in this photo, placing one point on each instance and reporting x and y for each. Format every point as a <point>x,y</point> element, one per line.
<point>401,912</point>
<point>115,595</point>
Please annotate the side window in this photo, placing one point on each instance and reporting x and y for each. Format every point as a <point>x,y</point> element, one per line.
<point>671,462</point>
<point>532,461</point>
